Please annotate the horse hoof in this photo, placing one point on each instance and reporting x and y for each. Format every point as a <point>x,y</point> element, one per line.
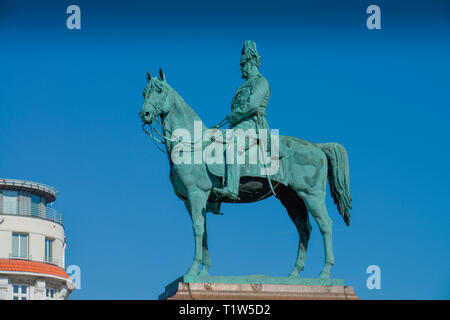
<point>203,273</point>
<point>191,273</point>
<point>324,275</point>
<point>293,275</point>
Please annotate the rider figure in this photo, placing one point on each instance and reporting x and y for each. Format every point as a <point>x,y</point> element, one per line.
<point>248,111</point>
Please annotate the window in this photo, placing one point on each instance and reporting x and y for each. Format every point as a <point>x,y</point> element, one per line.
<point>9,203</point>
<point>20,245</point>
<point>48,250</point>
<point>35,200</point>
<point>50,293</point>
<point>20,292</point>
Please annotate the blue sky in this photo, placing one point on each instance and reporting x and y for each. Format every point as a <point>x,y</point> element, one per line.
<point>69,103</point>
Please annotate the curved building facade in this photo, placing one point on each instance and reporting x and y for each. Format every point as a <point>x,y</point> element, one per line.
<point>32,243</point>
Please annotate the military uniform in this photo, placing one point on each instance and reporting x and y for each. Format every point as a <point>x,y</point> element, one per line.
<point>248,111</point>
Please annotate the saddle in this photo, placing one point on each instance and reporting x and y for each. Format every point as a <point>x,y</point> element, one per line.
<point>251,167</point>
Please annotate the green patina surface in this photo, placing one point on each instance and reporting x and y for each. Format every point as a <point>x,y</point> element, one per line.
<point>300,181</point>
<point>257,279</point>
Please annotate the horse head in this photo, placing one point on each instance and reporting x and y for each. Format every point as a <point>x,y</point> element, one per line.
<point>155,98</point>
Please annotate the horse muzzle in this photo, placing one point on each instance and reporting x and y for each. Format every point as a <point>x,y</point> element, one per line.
<point>146,117</point>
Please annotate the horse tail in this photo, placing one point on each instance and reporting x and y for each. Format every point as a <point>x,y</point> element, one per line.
<point>339,177</point>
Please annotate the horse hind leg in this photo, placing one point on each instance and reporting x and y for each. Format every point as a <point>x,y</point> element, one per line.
<point>298,213</point>
<point>317,208</point>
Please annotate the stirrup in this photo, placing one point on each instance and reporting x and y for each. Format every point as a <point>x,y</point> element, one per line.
<point>226,193</point>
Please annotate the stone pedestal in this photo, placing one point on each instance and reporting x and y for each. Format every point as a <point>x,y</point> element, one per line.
<point>257,288</point>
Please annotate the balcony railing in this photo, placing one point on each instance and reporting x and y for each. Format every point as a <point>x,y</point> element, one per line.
<point>36,211</point>
<point>30,184</point>
<point>49,260</point>
<point>20,256</point>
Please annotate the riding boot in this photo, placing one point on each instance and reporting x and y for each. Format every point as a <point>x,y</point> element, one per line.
<point>231,189</point>
<point>233,179</point>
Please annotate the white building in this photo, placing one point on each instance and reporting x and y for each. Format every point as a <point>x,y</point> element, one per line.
<point>32,243</point>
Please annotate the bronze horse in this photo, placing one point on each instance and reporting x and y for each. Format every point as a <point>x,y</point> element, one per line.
<point>305,168</point>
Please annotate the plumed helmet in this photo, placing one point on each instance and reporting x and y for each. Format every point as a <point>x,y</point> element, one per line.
<point>249,53</point>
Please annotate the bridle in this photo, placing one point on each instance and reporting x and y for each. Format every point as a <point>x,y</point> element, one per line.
<point>154,131</point>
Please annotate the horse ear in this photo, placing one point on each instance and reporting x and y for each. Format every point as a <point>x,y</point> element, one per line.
<point>162,77</point>
<point>149,77</point>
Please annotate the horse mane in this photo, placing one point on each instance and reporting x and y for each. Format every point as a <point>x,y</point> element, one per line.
<point>179,100</point>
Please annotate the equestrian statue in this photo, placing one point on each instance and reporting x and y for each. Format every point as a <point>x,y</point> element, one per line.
<point>301,167</point>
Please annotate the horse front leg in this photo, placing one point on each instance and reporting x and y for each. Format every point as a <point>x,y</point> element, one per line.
<point>206,261</point>
<point>197,208</point>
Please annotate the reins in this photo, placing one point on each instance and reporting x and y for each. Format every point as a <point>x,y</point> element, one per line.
<point>164,137</point>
